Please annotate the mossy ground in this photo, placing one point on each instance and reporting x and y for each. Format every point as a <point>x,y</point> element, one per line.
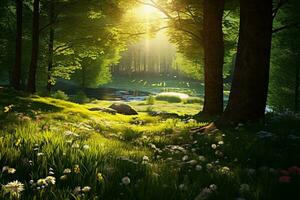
<point>42,136</point>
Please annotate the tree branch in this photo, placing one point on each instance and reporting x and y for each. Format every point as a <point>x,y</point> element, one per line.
<point>296,24</point>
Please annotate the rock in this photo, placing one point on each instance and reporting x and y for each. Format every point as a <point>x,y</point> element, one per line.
<point>123,108</point>
<point>106,110</point>
<point>264,134</point>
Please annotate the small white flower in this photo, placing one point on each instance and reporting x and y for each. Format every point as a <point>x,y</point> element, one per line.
<point>63,177</point>
<point>86,147</point>
<point>42,181</point>
<point>209,166</point>
<point>40,154</point>
<point>221,142</point>
<point>145,159</point>
<point>50,180</point>
<point>75,146</point>
<point>67,171</point>
<point>126,180</point>
<point>185,158</point>
<point>213,187</point>
<point>5,168</point>
<point>77,190</point>
<point>11,170</point>
<point>198,167</point>
<point>213,146</point>
<point>86,189</point>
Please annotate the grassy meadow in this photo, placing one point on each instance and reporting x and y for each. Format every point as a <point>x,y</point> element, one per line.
<point>56,149</point>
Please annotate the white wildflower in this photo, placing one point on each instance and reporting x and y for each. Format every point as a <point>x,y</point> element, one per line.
<point>50,180</point>
<point>86,189</point>
<point>67,171</point>
<point>14,188</point>
<point>185,158</point>
<point>198,167</point>
<point>126,180</point>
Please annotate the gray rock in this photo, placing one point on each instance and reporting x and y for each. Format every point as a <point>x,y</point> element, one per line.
<point>123,108</point>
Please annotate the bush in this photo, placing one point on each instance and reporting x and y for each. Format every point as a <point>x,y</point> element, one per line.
<point>192,100</point>
<point>60,95</point>
<point>81,97</point>
<point>170,97</point>
<point>150,100</point>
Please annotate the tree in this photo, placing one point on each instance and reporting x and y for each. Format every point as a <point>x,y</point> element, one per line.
<point>51,44</point>
<point>31,83</point>
<point>284,77</point>
<point>213,56</point>
<point>248,96</point>
<point>16,72</point>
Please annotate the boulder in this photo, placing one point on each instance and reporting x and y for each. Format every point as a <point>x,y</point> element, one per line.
<point>123,108</point>
<point>106,110</point>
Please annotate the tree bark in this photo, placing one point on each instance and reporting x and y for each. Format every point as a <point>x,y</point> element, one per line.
<point>50,45</point>
<point>31,83</point>
<point>297,83</point>
<point>248,96</point>
<point>214,56</point>
<point>16,72</point>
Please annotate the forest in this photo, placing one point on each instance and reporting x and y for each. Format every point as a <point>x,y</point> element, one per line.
<point>150,99</point>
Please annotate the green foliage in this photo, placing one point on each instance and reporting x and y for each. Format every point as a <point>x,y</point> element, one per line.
<point>150,100</point>
<point>80,98</point>
<point>190,68</point>
<point>192,100</point>
<point>285,59</point>
<point>162,159</point>
<point>60,95</point>
<point>169,98</point>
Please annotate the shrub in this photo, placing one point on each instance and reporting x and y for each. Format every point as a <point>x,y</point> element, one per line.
<point>150,100</point>
<point>81,97</point>
<point>169,97</point>
<point>60,95</point>
<point>191,100</point>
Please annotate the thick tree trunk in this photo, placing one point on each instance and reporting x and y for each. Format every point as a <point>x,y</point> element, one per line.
<point>214,56</point>
<point>50,45</point>
<point>16,72</point>
<point>248,96</point>
<point>31,84</point>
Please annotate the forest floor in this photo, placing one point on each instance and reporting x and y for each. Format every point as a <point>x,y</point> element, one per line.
<point>57,149</point>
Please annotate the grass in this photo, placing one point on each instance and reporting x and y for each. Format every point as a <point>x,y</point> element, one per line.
<point>43,137</point>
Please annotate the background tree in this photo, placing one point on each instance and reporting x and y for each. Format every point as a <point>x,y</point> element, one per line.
<point>16,72</point>
<point>284,79</point>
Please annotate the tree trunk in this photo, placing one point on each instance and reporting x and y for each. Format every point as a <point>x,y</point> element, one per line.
<point>248,96</point>
<point>31,84</point>
<point>214,56</point>
<point>50,45</point>
<point>16,72</point>
<point>297,89</point>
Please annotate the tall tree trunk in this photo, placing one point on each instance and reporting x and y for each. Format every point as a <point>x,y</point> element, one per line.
<point>16,72</point>
<point>50,45</point>
<point>31,84</point>
<point>214,56</point>
<point>297,83</point>
<point>248,96</point>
